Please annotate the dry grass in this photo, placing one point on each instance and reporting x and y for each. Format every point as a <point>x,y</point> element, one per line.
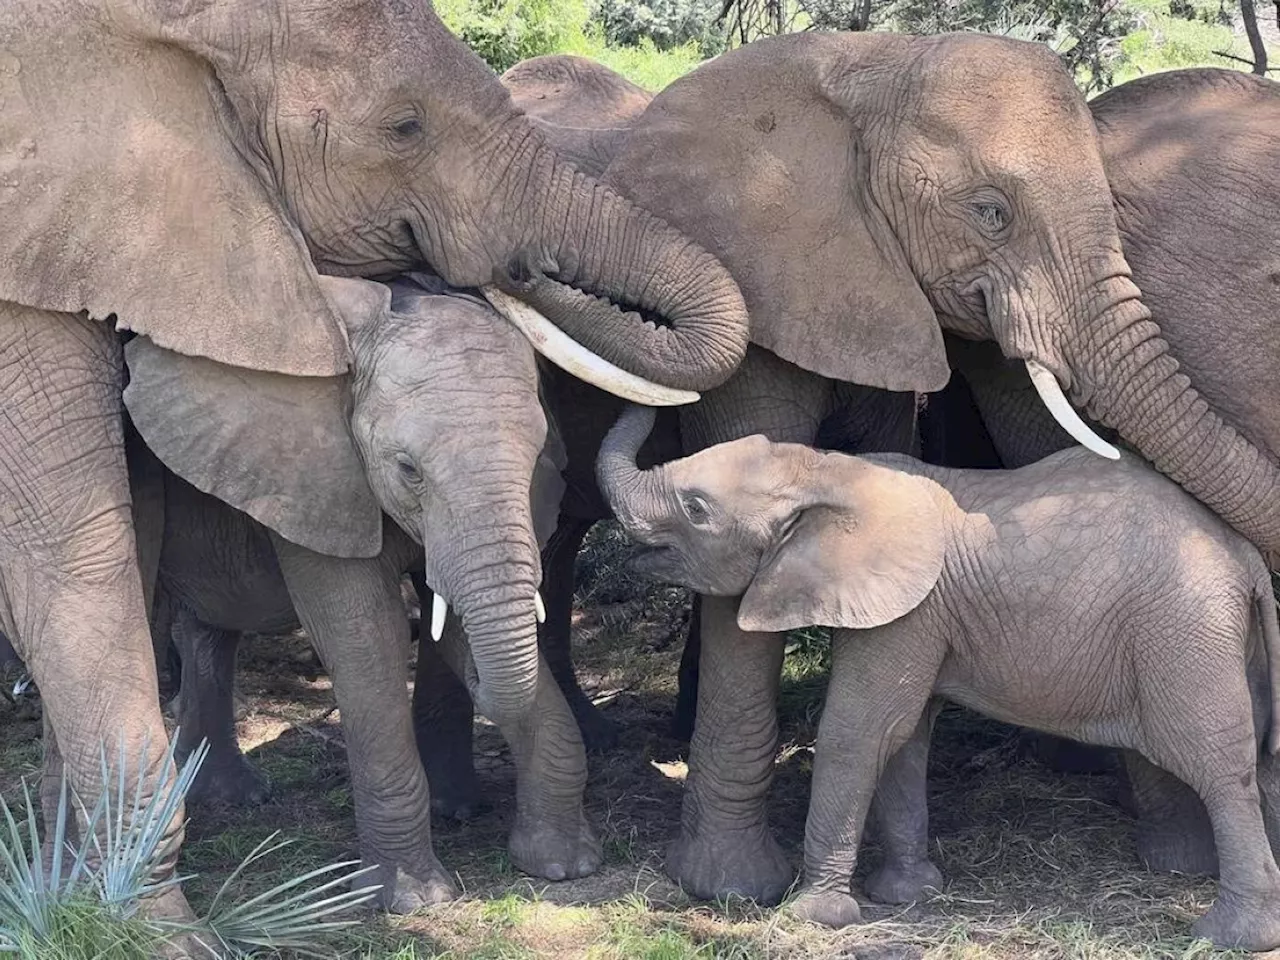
<point>1038,864</point>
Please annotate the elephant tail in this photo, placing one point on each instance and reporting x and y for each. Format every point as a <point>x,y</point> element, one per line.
<point>1264,599</point>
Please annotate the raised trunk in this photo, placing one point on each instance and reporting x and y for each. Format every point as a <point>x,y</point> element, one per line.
<point>1124,375</point>
<point>621,255</point>
<point>631,492</point>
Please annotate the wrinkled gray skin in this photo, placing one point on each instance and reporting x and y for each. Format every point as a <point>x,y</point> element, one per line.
<point>869,191</point>
<point>430,375</point>
<point>1188,154</point>
<point>1086,598</point>
<point>185,168</point>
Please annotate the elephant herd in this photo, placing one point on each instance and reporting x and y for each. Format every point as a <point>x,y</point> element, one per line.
<point>297,299</point>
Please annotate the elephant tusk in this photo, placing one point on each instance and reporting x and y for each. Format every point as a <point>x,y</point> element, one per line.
<point>1046,385</point>
<point>539,610</point>
<point>439,610</point>
<point>571,356</point>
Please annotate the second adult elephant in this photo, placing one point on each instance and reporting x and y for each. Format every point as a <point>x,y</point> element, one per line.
<point>316,463</point>
<point>868,191</point>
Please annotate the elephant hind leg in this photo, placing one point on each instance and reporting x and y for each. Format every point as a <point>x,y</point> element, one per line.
<point>70,587</point>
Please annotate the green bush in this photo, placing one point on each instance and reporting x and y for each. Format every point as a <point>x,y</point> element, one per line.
<point>667,24</point>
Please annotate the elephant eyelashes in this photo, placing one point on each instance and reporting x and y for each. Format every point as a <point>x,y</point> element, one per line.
<point>409,471</point>
<point>992,217</point>
<point>696,509</point>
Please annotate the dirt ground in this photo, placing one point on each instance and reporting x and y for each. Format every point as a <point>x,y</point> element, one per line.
<point>1038,864</point>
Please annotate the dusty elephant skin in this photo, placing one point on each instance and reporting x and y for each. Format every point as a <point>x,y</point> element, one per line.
<point>869,191</point>
<point>431,373</point>
<point>1188,155</point>
<point>178,167</point>
<point>1088,599</point>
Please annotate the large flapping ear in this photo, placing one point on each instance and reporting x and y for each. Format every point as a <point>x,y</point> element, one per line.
<point>123,192</point>
<point>275,446</point>
<point>866,551</point>
<point>752,157</point>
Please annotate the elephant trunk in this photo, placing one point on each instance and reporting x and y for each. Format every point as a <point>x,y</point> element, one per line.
<point>628,287</point>
<point>1124,376</point>
<point>489,573</point>
<point>632,493</point>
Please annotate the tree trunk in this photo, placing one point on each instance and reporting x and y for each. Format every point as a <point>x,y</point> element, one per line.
<point>1250,17</point>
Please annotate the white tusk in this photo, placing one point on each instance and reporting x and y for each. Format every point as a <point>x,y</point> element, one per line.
<point>439,610</point>
<point>539,610</point>
<point>1046,385</point>
<point>571,356</point>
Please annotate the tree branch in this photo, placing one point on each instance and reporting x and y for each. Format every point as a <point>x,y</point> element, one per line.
<point>1232,56</point>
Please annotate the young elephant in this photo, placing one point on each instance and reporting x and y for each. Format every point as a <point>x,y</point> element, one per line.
<point>1086,598</point>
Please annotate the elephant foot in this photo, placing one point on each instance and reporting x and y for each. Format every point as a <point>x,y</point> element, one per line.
<point>742,863</point>
<point>458,798</point>
<point>599,733</point>
<point>1241,924</point>
<point>555,852</point>
<point>231,781</point>
<point>403,892</point>
<point>171,907</point>
<point>903,882</point>
<point>1175,846</point>
<point>827,907</point>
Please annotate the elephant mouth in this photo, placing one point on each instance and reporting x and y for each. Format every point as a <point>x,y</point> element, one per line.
<point>658,563</point>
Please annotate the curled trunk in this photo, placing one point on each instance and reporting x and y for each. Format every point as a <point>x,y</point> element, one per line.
<point>628,286</point>
<point>1126,378</point>
<point>631,493</point>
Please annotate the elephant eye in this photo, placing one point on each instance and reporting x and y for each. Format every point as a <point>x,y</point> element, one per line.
<point>696,509</point>
<point>992,217</point>
<point>409,471</point>
<point>406,128</point>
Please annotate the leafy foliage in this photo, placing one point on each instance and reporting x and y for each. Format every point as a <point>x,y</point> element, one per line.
<point>83,901</point>
<point>665,23</point>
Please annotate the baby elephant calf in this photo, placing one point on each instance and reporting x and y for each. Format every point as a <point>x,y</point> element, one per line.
<point>1086,598</point>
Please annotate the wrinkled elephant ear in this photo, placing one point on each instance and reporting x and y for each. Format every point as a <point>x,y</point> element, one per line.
<point>122,192</point>
<point>866,551</point>
<point>275,446</point>
<point>752,157</point>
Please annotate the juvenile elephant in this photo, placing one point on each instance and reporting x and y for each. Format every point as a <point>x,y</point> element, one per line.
<point>1089,599</point>
<point>182,170</point>
<point>868,191</point>
<point>328,456</point>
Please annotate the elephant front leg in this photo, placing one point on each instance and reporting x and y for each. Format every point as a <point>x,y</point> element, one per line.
<point>725,845</point>
<point>71,597</point>
<point>354,614</point>
<point>900,813</point>
<point>880,685</point>
<point>206,711</point>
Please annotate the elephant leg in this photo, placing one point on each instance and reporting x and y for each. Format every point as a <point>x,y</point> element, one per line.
<point>551,837</point>
<point>725,844</point>
<point>353,611</point>
<point>443,724</point>
<point>1173,829</point>
<point>69,582</point>
<point>555,636</point>
<point>207,712</point>
<point>900,813</point>
<point>881,681</point>
<point>682,722</point>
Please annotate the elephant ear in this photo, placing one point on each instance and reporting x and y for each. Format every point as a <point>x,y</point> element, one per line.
<point>123,192</point>
<point>866,552</point>
<point>754,158</point>
<point>277,447</point>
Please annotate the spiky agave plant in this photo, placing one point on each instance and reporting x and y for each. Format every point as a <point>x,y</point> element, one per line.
<point>83,900</point>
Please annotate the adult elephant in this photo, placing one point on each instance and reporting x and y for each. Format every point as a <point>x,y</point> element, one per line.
<point>184,169</point>
<point>1189,155</point>
<point>868,190</point>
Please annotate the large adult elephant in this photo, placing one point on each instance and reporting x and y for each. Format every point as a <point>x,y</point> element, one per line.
<point>1189,155</point>
<point>867,191</point>
<point>184,169</point>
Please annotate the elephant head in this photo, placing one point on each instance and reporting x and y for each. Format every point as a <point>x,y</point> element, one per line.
<point>439,425</point>
<point>182,164</point>
<point>806,538</point>
<point>868,190</point>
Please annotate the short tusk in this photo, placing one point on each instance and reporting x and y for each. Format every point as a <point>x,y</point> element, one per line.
<point>439,610</point>
<point>1046,385</point>
<point>539,610</point>
<point>571,356</point>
